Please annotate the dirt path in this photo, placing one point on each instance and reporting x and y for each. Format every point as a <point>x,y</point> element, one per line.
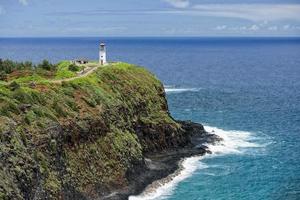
<point>59,81</point>
<point>88,72</point>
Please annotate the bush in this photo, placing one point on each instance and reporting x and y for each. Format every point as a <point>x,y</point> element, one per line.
<point>8,66</point>
<point>47,65</point>
<point>74,68</point>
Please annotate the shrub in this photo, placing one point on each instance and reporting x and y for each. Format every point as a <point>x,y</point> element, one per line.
<point>47,65</point>
<point>8,66</point>
<point>74,68</point>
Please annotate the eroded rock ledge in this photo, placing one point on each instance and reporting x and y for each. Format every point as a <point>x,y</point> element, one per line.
<point>159,165</point>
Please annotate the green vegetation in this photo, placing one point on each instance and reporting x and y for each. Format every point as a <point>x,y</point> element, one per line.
<point>64,71</point>
<point>80,132</point>
<point>12,70</point>
<point>25,72</point>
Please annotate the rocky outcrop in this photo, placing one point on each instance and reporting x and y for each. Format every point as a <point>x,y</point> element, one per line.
<point>160,164</point>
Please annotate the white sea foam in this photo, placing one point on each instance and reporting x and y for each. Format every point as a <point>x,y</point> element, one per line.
<point>180,90</point>
<point>167,185</point>
<point>234,142</point>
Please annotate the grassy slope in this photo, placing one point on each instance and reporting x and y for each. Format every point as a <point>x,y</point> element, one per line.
<point>40,75</point>
<point>63,70</point>
<point>78,134</point>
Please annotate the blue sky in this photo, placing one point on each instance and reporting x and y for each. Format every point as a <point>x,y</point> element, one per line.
<point>44,18</point>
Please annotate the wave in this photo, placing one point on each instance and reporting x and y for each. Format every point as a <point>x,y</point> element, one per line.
<point>170,89</point>
<point>234,142</point>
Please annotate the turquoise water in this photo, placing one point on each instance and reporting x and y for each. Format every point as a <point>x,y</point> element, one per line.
<point>245,89</point>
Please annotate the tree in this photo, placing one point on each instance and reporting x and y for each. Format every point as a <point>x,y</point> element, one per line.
<point>28,65</point>
<point>45,65</point>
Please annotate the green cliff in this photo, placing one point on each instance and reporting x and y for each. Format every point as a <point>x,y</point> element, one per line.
<point>79,139</point>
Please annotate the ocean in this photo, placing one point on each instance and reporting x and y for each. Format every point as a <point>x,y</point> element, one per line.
<point>247,90</point>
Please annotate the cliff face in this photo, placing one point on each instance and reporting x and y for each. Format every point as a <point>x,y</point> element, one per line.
<point>81,139</point>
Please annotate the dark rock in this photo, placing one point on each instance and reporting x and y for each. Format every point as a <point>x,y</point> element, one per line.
<point>158,165</point>
<point>192,128</point>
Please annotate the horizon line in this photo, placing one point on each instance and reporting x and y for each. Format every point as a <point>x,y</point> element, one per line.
<point>156,36</point>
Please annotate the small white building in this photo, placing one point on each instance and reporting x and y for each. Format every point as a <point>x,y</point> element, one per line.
<point>80,61</point>
<point>102,54</point>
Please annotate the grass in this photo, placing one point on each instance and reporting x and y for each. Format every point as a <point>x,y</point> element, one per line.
<point>63,70</point>
<point>120,84</point>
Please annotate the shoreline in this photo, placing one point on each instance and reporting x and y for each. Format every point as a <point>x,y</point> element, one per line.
<point>151,191</point>
<point>219,142</point>
<point>155,184</point>
<point>162,167</point>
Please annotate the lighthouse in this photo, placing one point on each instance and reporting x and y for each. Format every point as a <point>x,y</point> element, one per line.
<point>102,54</point>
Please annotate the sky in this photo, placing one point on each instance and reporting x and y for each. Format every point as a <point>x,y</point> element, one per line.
<point>54,18</point>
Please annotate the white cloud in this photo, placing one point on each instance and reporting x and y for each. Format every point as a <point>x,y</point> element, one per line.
<point>178,3</point>
<point>89,30</point>
<point>220,28</point>
<point>286,27</point>
<point>257,28</point>
<point>289,27</point>
<point>261,14</point>
<point>273,28</point>
<point>254,27</point>
<point>244,28</point>
<point>264,23</point>
<point>23,2</point>
<point>253,12</point>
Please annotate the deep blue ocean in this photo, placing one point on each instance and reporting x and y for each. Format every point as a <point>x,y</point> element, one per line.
<point>244,89</point>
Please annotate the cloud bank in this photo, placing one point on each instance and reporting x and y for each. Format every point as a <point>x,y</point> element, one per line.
<point>253,12</point>
<point>248,11</point>
<point>258,27</point>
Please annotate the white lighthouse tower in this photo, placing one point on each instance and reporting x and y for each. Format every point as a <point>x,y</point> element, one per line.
<point>102,54</point>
